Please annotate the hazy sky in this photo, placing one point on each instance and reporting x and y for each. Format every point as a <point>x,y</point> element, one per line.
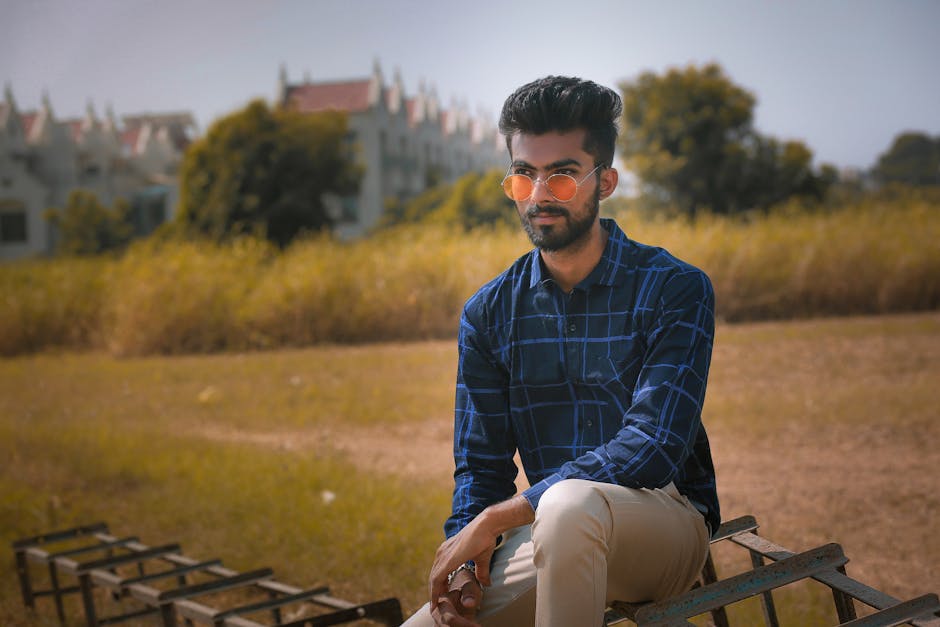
<point>844,76</point>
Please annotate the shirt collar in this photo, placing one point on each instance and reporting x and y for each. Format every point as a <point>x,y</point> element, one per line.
<point>609,270</point>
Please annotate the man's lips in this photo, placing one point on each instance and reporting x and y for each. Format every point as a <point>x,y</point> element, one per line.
<point>545,216</point>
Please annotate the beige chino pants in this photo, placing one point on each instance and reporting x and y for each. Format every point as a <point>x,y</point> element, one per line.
<point>591,543</point>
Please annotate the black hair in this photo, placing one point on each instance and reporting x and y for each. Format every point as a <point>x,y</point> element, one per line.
<point>562,104</point>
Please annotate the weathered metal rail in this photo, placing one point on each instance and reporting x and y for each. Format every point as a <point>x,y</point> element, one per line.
<point>101,566</point>
<point>825,564</point>
<point>162,584</point>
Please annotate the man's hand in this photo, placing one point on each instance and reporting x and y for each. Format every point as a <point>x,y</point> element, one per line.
<point>473,542</point>
<point>476,542</point>
<point>458,608</point>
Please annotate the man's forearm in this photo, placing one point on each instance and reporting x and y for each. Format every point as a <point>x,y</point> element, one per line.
<point>507,515</point>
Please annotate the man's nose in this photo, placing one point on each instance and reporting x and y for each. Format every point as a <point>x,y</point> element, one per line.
<point>540,192</point>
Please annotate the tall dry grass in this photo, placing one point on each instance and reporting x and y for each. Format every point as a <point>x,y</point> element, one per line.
<point>874,257</point>
<point>409,283</point>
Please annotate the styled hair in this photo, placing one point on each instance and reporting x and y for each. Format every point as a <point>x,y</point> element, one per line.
<point>562,104</point>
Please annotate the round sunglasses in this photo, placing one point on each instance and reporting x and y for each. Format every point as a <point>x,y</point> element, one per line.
<point>562,187</point>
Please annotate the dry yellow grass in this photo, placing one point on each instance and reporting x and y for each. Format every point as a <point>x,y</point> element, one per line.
<point>825,430</point>
<point>409,283</point>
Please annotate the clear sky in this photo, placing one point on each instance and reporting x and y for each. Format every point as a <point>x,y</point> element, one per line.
<point>844,76</point>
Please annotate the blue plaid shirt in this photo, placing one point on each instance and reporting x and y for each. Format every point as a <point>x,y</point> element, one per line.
<point>605,383</point>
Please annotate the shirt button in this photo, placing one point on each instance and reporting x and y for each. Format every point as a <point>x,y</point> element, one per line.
<point>589,423</point>
<point>572,327</point>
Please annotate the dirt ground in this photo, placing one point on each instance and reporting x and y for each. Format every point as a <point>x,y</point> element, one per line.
<point>823,434</point>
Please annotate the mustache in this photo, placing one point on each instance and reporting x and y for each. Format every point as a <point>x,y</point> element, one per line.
<point>546,210</point>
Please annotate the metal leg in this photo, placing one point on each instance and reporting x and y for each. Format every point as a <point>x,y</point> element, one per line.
<point>767,598</point>
<point>88,599</point>
<point>56,592</point>
<point>168,614</point>
<point>26,588</point>
<point>845,605</point>
<point>710,575</point>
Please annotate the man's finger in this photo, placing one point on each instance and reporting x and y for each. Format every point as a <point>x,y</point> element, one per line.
<point>482,569</point>
<point>447,614</point>
<point>471,595</point>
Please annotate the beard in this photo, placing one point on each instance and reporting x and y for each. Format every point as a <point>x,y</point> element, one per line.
<point>555,237</point>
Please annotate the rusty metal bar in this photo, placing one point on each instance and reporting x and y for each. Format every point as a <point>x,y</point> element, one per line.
<point>734,527</point>
<point>845,605</point>
<point>57,591</point>
<point>22,571</point>
<point>195,611</point>
<point>41,555</point>
<point>144,593</point>
<point>219,617</point>
<point>147,611</point>
<point>388,611</point>
<point>176,572</point>
<point>710,576</point>
<point>920,607</point>
<point>742,586</point>
<point>766,598</point>
<point>107,563</point>
<point>60,535</point>
<point>857,590</point>
<point>217,585</point>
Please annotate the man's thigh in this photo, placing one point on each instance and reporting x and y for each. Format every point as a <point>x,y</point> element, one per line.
<point>656,547</point>
<point>658,543</point>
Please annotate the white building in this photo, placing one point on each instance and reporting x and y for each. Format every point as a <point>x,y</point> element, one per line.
<point>42,159</point>
<point>406,144</point>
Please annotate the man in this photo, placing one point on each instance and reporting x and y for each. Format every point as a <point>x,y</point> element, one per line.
<point>589,356</point>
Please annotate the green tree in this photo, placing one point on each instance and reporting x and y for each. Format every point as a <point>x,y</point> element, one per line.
<point>87,227</point>
<point>266,171</point>
<point>913,158</point>
<point>688,136</point>
<point>475,199</point>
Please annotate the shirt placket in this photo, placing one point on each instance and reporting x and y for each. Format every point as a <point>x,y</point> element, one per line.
<point>573,335</point>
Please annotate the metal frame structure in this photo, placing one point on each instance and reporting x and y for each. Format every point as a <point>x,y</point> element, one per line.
<point>106,559</point>
<point>825,564</point>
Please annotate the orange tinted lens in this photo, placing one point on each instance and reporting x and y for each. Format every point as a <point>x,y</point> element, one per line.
<point>562,186</point>
<point>517,186</point>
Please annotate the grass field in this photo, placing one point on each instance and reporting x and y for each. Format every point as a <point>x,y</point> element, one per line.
<point>876,256</point>
<point>825,430</point>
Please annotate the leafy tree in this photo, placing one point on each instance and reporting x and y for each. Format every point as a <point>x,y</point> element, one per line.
<point>688,136</point>
<point>265,171</point>
<point>913,158</point>
<point>87,227</point>
<point>475,199</point>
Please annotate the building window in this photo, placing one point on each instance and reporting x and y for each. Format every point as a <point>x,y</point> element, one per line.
<point>13,227</point>
<point>350,209</point>
<point>148,209</point>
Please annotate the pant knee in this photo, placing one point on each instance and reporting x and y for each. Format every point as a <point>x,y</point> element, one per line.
<point>570,510</point>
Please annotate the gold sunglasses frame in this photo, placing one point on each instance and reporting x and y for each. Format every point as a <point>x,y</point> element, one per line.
<point>537,180</point>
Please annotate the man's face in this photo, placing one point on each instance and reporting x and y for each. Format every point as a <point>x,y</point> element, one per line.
<point>550,224</point>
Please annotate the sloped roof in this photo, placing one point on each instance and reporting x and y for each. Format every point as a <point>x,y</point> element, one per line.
<point>28,119</point>
<point>411,107</point>
<point>129,137</point>
<point>75,128</point>
<point>179,118</point>
<point>352,96</point>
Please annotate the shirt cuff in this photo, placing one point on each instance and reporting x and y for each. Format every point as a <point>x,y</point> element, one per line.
<point>534,493</point>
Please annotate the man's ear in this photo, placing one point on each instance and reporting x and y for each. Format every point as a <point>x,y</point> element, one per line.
<point>609,179</point>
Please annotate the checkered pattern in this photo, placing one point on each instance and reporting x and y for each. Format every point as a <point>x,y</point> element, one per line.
<point>605,383</point>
